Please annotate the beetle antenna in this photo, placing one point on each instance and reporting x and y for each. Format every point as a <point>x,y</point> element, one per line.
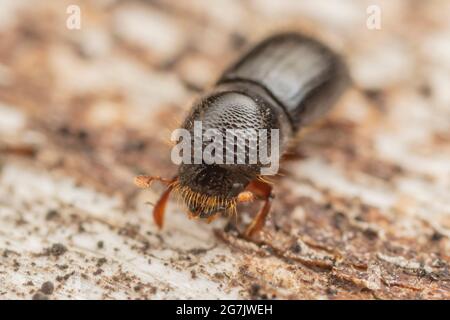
<point>146,181</point>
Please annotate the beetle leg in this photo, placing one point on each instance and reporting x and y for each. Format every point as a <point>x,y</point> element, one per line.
<point>260,219</point>
<point>160,207</point>
<point>260,188</point>
<point>264,191</point>
<point>192,215</point>
<point>212,218</point>
<point>245,196</point>
<point>19,150</point>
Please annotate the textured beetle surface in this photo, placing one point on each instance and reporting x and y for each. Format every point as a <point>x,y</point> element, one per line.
<point>285,82</point>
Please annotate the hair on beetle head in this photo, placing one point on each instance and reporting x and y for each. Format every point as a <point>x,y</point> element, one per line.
<point>201,205</point>
<point>212,189</point>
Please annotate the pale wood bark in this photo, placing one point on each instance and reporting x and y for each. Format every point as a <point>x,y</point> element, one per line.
<point>361,211</point>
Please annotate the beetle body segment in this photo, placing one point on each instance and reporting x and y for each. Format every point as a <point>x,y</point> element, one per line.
<point>303,76</point>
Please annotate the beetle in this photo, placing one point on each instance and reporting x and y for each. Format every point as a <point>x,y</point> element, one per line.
<point>285,82</point>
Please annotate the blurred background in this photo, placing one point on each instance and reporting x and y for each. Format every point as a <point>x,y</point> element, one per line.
<point>90,91</point>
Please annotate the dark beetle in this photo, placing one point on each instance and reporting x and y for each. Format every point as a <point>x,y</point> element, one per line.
<point>285,82</point>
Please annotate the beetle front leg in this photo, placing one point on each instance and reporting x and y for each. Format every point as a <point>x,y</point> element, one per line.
<point>263,191</point>
<point>160,206</point>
